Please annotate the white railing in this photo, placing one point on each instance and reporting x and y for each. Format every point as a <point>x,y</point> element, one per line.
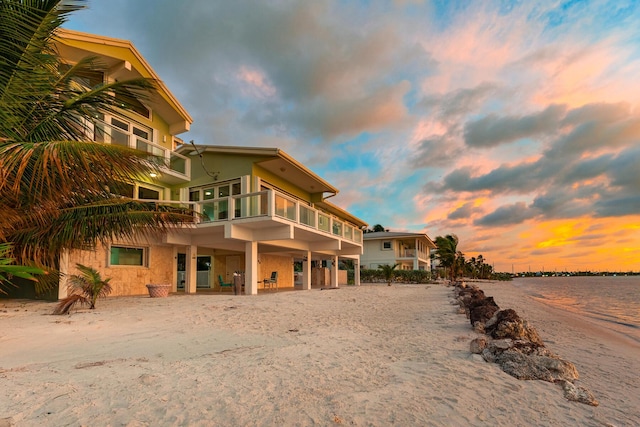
<point>158,155</point>
<point>270,203</point>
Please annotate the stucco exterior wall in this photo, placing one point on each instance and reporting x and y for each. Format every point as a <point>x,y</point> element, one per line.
<point>374,254</point>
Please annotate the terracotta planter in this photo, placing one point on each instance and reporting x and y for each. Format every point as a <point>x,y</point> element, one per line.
<point>158,291</point>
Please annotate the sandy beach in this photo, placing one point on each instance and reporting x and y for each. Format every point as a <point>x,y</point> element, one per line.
<point>366,356</point>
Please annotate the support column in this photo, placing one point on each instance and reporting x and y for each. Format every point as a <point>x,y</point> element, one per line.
<point>306,271</point>
<point>416,264</point>
<point>251,268</point>
<point>63,291</point>
<point>174,270</point>
<point>356,272</point>
<point>191,273</point>
<point>334,271</point>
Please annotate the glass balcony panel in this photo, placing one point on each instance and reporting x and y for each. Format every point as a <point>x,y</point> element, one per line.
<point>223,209</point>
<point>307,216</point>
<point>250,205</point>
<point>285,208</point>
<point>337,228</point>
<point>178,163</point>
<point>323,222</point>
<point>119,138</point>
<point>208,211</point>
<point>348,232</point>
<point>99,133</point>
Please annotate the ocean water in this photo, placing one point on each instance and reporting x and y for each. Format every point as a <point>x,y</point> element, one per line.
<point>611,301</point>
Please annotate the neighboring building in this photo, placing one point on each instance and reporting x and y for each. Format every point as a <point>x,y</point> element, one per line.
<point>261,210</point>
<point>410,250</point>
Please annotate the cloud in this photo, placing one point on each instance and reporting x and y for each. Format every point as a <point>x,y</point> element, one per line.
<point>506,215</point>
<point>493,130</point>
<point>464,212</point>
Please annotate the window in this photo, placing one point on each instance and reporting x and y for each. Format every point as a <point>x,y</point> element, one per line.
<point>124,255</point>
<point>148,193</point>
<point>129,100</point>
<point>386,245</point>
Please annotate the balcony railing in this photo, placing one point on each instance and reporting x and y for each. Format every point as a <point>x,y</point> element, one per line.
<point>158,155</point>
<point>270,203</point>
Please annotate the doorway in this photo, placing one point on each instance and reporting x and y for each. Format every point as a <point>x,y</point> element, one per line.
<point>203,273</point>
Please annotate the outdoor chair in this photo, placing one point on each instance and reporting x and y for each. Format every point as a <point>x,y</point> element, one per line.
<point>223,284</point>
<point>273,280</point>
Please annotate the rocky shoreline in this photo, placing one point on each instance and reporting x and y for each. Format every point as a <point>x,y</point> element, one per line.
<point>514,345</point>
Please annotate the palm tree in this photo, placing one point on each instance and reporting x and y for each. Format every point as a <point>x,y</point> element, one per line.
<point>448,255</point>
<point>8,270</point>
<point>58,188</point>
<point>387,272</point>
<point>85,289</point>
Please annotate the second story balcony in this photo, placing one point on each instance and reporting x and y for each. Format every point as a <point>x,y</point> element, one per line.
<point>175,168</point>
<point>273,205</point>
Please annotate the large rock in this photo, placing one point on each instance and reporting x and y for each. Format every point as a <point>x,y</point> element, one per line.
<point>478,345</point>
<point>533,367</point>
<point>578,394</point>
<point>482,310</point>
<point>507,324</point>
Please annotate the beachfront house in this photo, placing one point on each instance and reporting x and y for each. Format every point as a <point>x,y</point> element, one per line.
<point>411,251</point>
<point>263,217</point>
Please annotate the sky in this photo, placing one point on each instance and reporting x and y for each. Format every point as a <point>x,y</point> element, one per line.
<point>513,124</point>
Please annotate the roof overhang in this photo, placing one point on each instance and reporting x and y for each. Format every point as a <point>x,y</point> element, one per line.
<point>275,161</point>
<point>123,61</point>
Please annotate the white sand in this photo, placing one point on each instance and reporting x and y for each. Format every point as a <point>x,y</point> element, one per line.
<point>372,355</point>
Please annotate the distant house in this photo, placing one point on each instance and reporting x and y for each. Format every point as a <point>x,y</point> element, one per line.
<point>260,211</point>
<point>410,250</point>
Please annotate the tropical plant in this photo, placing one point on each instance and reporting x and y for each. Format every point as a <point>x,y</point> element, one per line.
<point>388,272</point>
<point>84,288</point>
<point>448,255</point>
<point>8,269</point>
<point>59,189</point>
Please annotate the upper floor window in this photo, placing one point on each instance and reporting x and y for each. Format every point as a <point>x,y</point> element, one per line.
<point>386,245</point>
<point>137,191</point>
<point>129,101</point>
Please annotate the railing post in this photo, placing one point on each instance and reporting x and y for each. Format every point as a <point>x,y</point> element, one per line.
<point>272,203</point>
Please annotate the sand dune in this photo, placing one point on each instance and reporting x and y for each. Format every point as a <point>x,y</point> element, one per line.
<point>369,355</point>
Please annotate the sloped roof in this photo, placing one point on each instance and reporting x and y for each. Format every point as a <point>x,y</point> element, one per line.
<point>75,45</point>
<point>390,235</point>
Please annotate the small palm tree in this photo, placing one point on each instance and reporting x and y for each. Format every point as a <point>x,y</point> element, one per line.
<point>387,272</point>
<point>85,288</point>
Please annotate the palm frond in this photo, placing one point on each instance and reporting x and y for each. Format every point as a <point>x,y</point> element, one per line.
<point>66,304</point>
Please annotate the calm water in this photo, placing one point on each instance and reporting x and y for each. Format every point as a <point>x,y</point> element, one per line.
<point>614,302</point>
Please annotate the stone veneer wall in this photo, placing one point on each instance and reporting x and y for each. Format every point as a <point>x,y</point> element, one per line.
<point>128,280</point>
<point>282,264</point>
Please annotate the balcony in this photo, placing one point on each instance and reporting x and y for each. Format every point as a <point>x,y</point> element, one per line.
<point>273,204</point>
<point>174,167</point>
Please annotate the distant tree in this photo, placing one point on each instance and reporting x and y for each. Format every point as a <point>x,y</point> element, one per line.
<point>448,255</point>
<point>378,228</point>
<point>387,272</point>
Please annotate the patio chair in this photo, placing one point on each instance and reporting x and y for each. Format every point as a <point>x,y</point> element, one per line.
<point>273,280</point>
<point>223,284</point>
